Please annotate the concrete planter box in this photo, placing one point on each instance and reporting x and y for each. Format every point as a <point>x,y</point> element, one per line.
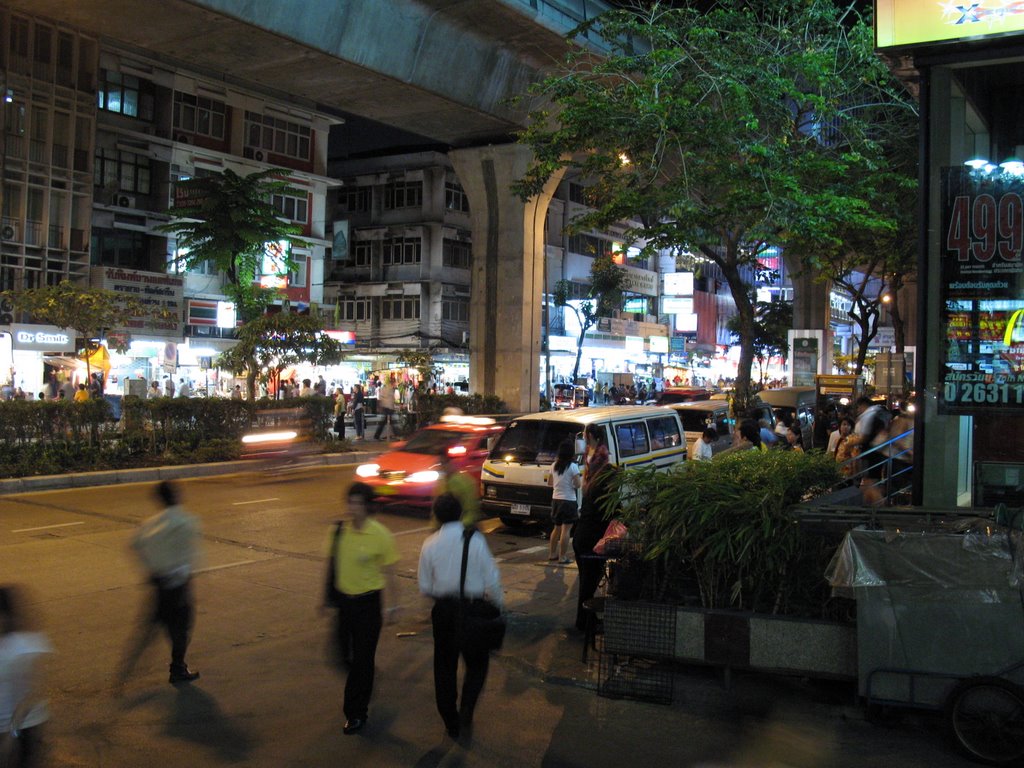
<point>744,640</point>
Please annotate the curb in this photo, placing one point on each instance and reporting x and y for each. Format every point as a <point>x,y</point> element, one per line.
<point>152,474</point>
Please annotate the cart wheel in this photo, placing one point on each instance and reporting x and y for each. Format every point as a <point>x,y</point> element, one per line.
<point>986,718</point>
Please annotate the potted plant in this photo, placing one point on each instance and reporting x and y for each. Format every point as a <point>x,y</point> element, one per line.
<point>720,542</point>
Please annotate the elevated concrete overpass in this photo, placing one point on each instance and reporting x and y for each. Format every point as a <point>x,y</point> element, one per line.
<point>442,69</point>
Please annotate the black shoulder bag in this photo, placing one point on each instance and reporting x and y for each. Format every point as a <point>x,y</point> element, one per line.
<point>481,623</point>
<point>333,597</point>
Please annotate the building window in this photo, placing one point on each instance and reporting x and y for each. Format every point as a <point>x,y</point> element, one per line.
<point>588,245</point>
<point>292,208</point>
<point>577,193</point>
<point>122,171</point>
<point>356,199</point>
<point>353,308</point>
<point>401,250</point>
<point>297,276</point>
<point>455,197</point>
<point>456,253</point>
<point>282,137</point>
<point>403,194</point>
<point>199,115</point>
<point>125,95</point>
<point>362,252</point>
<point>400,308</point>
<point>119,248</point>
<point>456,310</point>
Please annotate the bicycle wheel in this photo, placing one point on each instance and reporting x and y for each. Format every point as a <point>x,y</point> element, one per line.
<point>986,717</point>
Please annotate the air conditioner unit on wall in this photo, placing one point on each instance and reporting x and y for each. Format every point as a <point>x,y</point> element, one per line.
<point>125,201</point>
<point>183,138</point>
<point>9,232</point>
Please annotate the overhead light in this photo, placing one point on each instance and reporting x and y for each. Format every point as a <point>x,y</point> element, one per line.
<point>1013,165</point>
<point>9,95</point>
<point>976,163</point>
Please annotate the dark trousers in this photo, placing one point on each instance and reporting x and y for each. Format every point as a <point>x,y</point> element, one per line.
<point>174,612</point>
<point>447,648</point>
<point>385,422</point>
<point>590,568</point>
<point>359,623</point>
<point>359,421</point>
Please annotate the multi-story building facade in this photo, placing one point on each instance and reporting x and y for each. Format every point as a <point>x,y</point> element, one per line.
<point>94,139</point>
<point>403,281</point>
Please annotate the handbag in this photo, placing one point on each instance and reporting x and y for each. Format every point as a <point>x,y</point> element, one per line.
<point>481,623</point>
<point>332,596</point>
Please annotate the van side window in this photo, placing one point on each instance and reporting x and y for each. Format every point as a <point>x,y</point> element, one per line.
<point>632,439</point>
<point>664,433</point>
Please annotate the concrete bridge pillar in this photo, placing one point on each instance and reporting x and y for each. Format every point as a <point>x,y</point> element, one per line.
<point>508,274</point>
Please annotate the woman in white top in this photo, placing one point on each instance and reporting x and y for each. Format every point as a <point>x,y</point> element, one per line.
<point>564,480</point>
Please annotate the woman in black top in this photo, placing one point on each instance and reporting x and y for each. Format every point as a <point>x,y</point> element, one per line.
<point>591,524</point>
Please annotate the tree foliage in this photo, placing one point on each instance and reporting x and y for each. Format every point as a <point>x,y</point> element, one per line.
<point>722,132</point>
<point>85,310</point>
<point>228,219</point>
<point>271,343</point>
<point>604,296</point>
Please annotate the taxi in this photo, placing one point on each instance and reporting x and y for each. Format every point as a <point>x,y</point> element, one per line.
<point>408,473</point>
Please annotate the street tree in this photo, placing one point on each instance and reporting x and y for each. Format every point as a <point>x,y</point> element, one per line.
<point>270,343</point>
<point>722,132</point>
<point>228,220</point>
<point>87,311</point>
<point>603,296</point>
<point>872,259</point>
<point>772,322</point>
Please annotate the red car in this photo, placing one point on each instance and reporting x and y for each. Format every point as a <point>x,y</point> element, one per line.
<point>408,473</point>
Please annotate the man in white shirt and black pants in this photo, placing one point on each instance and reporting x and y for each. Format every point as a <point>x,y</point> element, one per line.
<point>439,571</point>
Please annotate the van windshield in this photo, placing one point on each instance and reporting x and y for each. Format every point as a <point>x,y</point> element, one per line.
<point>533,441</point>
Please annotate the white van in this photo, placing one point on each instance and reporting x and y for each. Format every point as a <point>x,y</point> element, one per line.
<point>514,478</point>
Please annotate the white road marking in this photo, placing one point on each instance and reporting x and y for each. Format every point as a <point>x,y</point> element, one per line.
<point>531,550</point>
<point>45,527</point>
<point>227,565</point>
<point>254,501</point>
<point>414,530</point>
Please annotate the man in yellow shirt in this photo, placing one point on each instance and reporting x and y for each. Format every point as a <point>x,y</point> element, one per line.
<point>364,551</point>
<point>81,394</point>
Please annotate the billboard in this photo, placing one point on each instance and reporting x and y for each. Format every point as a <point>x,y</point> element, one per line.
<point>982,301</point>
<point>903,23</point>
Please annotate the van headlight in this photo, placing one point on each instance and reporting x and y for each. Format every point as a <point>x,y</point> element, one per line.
<point>426,476</point>
<point>368,470</point>
<point>490,492</point>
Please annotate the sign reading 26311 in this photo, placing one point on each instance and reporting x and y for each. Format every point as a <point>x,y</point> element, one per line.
<point>982,360</point>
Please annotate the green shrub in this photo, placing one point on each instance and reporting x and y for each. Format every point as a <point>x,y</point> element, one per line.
<point>722,531</point>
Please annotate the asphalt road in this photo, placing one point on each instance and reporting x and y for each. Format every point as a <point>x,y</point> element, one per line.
<point>267,696</point>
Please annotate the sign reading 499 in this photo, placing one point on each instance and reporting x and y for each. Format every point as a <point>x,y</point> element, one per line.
<point>983,291</point>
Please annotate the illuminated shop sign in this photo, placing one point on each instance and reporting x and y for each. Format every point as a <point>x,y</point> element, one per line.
<point>900,23</point>
<point>678,284</point>
<point>982,309</point>
<point>42,338</point>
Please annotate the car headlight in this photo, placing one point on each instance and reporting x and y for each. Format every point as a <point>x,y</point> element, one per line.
<point>426,476</point>
<point>368,470</point>
<point>490,492</point>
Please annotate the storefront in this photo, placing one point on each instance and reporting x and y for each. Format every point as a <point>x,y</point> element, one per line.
<point>970,359</point>
<point>30,353</point>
